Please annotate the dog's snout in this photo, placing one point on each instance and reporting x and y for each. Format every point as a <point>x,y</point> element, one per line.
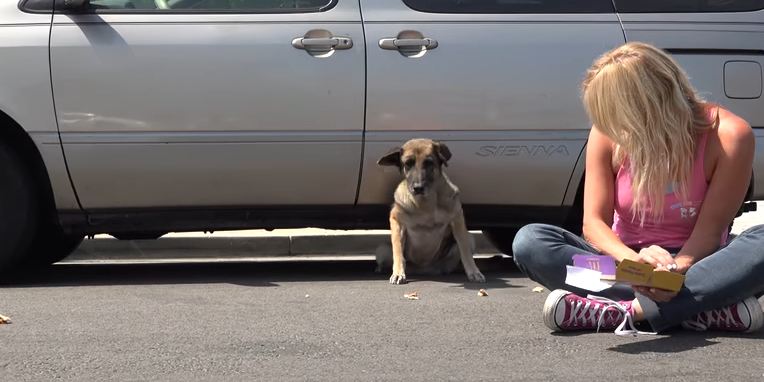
<point>418,190</point>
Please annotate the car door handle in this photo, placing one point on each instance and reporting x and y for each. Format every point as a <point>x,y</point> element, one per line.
<point>322,43</point>
<point>408,43</point>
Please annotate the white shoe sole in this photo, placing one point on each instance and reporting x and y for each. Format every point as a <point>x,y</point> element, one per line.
<point>550,309</point>
<point>756,313</point>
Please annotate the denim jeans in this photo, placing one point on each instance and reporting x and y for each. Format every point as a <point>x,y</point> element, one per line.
<point>729,275</point>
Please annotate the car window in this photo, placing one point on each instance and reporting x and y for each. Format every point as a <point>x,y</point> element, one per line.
<point>213,5</point>
<point>511,6</point>
<point>689,6</point>
<point>36,5</point>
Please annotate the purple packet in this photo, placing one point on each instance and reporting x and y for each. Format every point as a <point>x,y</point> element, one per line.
<point>603,264</point>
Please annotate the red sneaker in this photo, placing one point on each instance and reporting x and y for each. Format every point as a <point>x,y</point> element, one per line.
<point>565,311</point>
<point>745,316</point>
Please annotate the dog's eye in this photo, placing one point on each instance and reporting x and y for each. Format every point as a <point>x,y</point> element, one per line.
<point>409,164</point>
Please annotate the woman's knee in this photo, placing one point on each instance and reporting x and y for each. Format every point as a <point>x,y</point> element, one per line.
<point>752,239</point>
<point>756,232</point>
<point>529,242</point>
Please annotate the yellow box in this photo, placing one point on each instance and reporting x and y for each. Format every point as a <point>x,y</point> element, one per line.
<point>639,274</point>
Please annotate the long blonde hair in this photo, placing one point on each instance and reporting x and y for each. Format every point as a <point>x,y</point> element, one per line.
<point>640,98</point>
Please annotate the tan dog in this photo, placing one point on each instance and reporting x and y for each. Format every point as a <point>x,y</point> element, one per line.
<point>427,225</point>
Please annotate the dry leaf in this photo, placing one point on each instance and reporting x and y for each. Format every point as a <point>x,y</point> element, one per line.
<point>4,319</point>
<point>482,293</point>
<point>538,289</point>
<point>412,296</point>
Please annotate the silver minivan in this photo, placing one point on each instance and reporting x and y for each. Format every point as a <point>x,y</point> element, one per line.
<point>140,117</point>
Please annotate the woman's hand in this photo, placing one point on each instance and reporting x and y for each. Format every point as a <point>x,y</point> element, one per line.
<point>658,257</point>
<point>662,261</point>
<point>683,263</point>
<point>655,294</point>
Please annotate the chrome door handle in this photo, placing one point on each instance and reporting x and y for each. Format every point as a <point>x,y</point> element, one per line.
<point>408,43</point>
<point>322,43</point>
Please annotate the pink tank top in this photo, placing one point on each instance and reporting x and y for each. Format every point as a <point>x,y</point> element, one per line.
<point>679,216</point>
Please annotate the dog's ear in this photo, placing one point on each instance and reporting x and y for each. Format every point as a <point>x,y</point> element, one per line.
<point>443,152</point>
<point>392,158</point>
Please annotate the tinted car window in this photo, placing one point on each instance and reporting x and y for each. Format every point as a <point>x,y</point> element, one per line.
<point>213,5</point>
<point>511,6</point>
<point>36,5</point>
<point>663,6</point>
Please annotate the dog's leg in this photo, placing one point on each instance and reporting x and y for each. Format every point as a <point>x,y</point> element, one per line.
<point>462,236</point>
<point>384,255</point>
<point>399,263</point>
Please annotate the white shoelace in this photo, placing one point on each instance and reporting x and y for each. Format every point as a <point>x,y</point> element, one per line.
<point>712,317</point>
<point>627,322</point>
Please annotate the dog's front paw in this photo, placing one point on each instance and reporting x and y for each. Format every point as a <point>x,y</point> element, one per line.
<point>476,277</point>
<point>398,278</point>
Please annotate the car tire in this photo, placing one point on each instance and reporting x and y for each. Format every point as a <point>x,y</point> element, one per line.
<point>501,238</point>
<point>51,245</point>
<point>18,209</point>
<point>139,235</point>
<point>575,222</point>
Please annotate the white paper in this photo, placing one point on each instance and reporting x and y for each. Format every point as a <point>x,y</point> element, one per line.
<point>587,279</point>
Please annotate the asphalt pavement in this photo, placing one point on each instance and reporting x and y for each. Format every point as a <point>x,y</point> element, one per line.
<point>177,317</point>
<point>323,320</point>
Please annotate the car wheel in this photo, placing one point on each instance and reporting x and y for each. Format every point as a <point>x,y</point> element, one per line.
<point>575,222</point>
<point>501,238</point>
<point>18,209</point>
<point>51,245</point>
<point>140,235</point>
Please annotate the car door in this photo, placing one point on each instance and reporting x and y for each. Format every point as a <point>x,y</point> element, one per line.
<point>719,44</point>
<point>180,103</point>
<point>498,81</point>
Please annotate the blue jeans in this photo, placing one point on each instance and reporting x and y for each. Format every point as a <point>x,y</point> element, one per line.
<point>729,275</point>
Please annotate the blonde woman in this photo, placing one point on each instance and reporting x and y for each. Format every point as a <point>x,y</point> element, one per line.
<point>665,175</point>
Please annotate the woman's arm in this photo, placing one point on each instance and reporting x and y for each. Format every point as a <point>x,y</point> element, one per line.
<point>726,190</point>
<point>599,190</point>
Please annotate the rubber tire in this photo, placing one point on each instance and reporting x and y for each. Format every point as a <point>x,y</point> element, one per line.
<point>51,245</point>
<point>501,238</point>
<point>18,209</point>
<point>140,235</point>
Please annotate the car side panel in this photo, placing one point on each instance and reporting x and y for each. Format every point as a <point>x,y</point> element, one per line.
<point>501,90</point>
<point>705,44</point>
<point>208,110</point>
<point>25,94</point>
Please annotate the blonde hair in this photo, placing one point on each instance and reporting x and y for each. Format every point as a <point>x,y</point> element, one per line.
<point>640,98</point>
